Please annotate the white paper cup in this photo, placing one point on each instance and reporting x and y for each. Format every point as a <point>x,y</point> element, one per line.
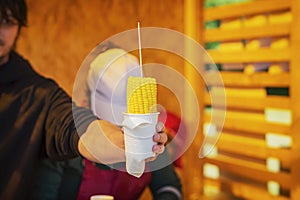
<point>102,197</point>
<point>138,135</point>
<point>139,130</point>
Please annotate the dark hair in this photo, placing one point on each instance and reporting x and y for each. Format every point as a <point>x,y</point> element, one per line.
<point>17,8</point>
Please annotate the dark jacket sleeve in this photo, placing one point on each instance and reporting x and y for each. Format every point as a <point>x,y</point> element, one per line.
<point>165,184</point>
<point>65,123</point>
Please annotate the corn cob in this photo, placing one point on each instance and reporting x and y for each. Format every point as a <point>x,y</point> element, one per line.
<point>141,95</point>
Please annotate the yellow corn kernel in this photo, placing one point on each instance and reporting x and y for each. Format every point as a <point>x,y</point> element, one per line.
<point>141,95</point>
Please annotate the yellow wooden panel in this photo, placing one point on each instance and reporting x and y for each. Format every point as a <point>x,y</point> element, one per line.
<point>250,103</point>
<point>256,148</point>
<point>212,35</point>
<point>245,190</point>
<point>250,170</point>
<point>223,12</point>
<point>242,56</point>
<point>295,82</point>
<point>243,80</point>
<point>253,125</point>
<point>193,25</point>
<point>242,145</point>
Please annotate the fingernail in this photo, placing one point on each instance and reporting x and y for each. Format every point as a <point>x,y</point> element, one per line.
<point>157,137</point>
<point>155,148</point>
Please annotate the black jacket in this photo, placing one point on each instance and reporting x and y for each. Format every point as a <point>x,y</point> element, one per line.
<point>36,121</point>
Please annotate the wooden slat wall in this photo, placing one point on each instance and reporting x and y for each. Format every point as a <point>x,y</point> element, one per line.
<point>295,97</point>
<point>242,149</point>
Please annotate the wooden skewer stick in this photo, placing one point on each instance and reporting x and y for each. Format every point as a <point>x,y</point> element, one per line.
<point>140,49</point>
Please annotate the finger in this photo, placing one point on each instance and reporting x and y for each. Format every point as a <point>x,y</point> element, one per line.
<point>150,159</point>
<point>158,149</point>
<point>160,127</point>
<point>122,129</point>
<point>160,138</point>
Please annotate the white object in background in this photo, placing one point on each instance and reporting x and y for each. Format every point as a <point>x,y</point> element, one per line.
<point>273,164</point>
<point>210,150</point>
<point>102,197</point>
<point>277,140</point>
<point>277,115</point>
<point>138,134</point>
<point>273,188</point>
<point>211,171</point>
<point>107,81</point>
<point>209,129</point>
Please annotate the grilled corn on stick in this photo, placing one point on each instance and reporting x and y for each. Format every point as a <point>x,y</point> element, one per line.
<point>141,95</point>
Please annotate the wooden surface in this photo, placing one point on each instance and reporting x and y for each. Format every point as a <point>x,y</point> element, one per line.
<point>248,81</point>
<point>248,56</point>
<point>242,9</point>
<point>212,35</point>
<point>60,34</point>
<point>192,179</point>
<point>295,98</point>
<point>252,103</point>
<point>242,146</point>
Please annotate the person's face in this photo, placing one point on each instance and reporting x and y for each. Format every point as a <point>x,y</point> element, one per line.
<point>8,34</point>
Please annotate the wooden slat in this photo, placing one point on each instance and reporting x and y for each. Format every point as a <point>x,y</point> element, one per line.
<point>212,35</point>
<point>295,63</point>
<point>260,55</point>
<point>250,103</point>
<point>257,126</point>
<point>242,9</point>
<point>244,189</point>
<point>243,80</point>
<point>295,90</point>
<point>193,25</point>
<point>255,148</point>
<point>251,170</point>
<point>219,196</point>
